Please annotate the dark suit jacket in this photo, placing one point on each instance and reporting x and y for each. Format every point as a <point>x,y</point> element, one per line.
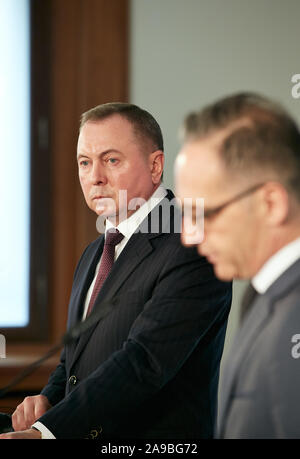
<point>150,367</point>
<point>261,380</point>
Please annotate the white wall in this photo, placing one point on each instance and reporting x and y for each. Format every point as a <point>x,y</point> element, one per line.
<point>187,53</point>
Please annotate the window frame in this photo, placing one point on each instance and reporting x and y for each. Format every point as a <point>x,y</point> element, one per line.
<point>37,328</point>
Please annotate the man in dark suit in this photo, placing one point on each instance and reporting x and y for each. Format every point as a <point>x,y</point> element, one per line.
<point>149,368</point>
<point>242,155</point>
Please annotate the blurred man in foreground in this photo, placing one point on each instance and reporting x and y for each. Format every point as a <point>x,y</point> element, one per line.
<point>242,155</point>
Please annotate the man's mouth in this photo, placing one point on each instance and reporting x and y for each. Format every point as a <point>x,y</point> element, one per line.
<point>99,197</point>
<point>211,257</point>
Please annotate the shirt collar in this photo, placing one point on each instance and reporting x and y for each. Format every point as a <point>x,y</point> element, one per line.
<point>276,265</point>
<point>128,227</point>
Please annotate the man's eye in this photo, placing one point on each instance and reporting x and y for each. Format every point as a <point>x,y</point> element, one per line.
<point>112,160</point>
<point>84,163</point>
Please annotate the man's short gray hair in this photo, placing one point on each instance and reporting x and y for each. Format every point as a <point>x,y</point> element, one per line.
<point>259,135</point>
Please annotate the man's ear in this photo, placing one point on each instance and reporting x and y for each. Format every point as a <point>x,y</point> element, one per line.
<point>156,162</point>
<point>276,203</point>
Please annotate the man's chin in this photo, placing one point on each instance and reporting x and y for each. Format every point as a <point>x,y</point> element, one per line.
<point>112,216</point>
<point>105,211</point>
<point>224,273</point>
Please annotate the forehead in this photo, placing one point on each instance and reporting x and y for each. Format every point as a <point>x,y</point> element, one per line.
<point>199,171</point>
<point>114,132</point>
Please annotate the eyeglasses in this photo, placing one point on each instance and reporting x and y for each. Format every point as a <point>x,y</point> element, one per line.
<point>208,213</point>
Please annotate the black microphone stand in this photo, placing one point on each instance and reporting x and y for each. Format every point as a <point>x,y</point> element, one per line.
<point>71,335</point>
<point>30,369</point>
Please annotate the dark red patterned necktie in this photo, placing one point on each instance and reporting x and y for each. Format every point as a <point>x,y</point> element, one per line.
<point>113,237</point>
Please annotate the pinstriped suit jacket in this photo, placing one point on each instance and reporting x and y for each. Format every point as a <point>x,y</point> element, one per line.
<point>149,368</point>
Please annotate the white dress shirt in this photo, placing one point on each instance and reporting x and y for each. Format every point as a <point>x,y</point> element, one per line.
<point>127,228</point>
<point>276,265</point>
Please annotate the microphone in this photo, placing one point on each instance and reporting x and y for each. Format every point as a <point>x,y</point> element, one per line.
<point>70,336</point>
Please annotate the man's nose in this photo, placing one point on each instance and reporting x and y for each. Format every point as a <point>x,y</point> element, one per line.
<point>204,248</point>
<point>98,173</point>
<point>193,240</point>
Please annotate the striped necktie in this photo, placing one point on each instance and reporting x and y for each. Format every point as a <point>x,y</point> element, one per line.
<point>113,238</point>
